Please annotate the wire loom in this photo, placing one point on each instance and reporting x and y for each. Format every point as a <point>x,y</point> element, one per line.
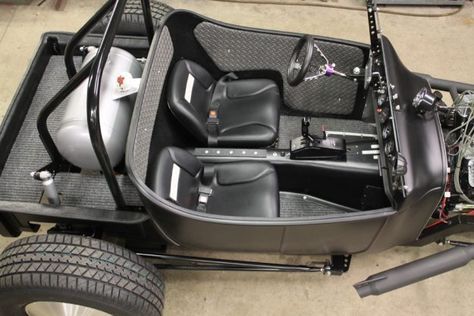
<point>465,141</point>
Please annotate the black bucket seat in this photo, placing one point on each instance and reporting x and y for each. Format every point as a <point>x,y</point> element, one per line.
<point>226,113</point>
<point>248,188</point>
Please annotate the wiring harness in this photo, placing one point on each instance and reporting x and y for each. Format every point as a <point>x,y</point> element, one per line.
<point>460,140</point>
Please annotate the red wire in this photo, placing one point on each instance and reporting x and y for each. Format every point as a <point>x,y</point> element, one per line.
<point>435,224</point>
<point>469,213</point>
<point>442,212</point>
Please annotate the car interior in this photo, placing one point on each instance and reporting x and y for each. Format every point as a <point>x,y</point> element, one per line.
<point>220,121</point>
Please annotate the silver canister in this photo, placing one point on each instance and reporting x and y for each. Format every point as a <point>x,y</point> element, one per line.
<point>72,137</point>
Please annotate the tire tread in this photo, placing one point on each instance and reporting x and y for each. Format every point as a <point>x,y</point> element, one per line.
<point>83,265</point>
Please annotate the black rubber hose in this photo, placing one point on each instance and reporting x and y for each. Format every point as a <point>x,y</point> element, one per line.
<point>415,271</point>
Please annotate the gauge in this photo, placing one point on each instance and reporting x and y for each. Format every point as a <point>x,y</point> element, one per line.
<point>389,148</point>
<point>387,131</point>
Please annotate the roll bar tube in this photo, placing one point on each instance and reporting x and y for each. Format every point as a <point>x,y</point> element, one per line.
<point>94,71</point>
<point>51,106</point>
<point>93,101</point>
<point>86,28</point>
<point>150,29</point>
<point>79,35</point>
<point>454,87</point>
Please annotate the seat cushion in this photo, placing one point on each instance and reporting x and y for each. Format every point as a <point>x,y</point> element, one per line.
<point>248,113</point>
<point>175,176</point>
<point>247,110</point>
<point>189,95</point>
<point>237,188</point>
<point>244,189</point>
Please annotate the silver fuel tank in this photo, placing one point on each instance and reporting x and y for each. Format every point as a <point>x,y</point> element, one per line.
<point>72,137</point>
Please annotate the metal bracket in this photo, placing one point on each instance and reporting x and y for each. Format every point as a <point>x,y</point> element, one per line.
<point>340,264</point>
<point>374,29</point>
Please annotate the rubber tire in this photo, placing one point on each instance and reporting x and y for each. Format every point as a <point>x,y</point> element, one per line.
<point>78,270</point>
<point>132,19</point>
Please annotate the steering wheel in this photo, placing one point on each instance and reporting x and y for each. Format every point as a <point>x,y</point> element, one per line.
<point>300,60</point>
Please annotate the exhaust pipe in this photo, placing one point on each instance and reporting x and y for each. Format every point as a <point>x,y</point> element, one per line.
<point>415,271</point>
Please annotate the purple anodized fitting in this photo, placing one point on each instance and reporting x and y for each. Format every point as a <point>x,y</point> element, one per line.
<point>329,71</point>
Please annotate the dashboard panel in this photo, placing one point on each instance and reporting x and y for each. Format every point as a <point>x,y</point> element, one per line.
<point>412,155</point>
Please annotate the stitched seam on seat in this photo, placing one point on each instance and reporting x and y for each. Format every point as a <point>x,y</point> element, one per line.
<point>225,130</point>
<point>259,176</point>
<point>261,91</point>
<point>196,77</point>
<point>178,115</point>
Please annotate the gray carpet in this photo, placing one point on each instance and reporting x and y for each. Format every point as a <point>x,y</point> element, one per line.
<point>28,154</point>
<point>91,190</point>
<point>290,127</point>
<point>301,205</point>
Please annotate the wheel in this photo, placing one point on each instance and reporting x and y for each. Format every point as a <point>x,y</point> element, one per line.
<point>132,19</point>
<point>300,60</point>
<point>54,275</point>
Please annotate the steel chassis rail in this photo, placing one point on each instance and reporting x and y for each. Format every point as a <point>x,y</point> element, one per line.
<point>422,2</point>
<point>454,87</point>
<point>336,266</point>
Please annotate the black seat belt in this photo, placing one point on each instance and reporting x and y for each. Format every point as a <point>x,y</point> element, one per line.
<point>205,190</point>
<point>212,118</point>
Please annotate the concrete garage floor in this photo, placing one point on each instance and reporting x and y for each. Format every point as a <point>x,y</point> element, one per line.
<point>443,47</point>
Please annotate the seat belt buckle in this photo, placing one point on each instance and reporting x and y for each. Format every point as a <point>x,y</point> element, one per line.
<point>204,194</point>
<point>203,199</point>
<point>212,128</point>
<point>212,117</point>
<point>205,191</point>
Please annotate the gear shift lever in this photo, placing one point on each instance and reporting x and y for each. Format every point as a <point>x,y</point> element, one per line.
<point>305,126</point>
<point>311,147</point>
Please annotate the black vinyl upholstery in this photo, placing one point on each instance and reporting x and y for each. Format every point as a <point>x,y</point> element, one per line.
<point>236,188</point>
<point>247,110</point>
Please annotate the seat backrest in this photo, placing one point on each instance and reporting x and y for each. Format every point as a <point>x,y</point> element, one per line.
<point>189,96</point>
<point>175,176</point>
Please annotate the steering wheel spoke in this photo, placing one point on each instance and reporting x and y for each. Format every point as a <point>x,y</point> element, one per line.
<point>303,62</point>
